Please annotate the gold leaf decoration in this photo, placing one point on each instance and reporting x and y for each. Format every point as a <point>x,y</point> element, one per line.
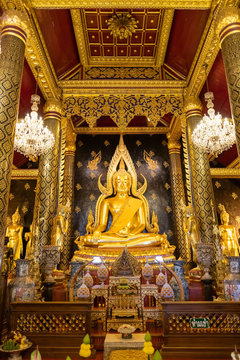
<point>79,164</point>
<point>138,143</point>
<point>234,196</point>
<point>164,143</point>
<point>77,209</point>
<point>106,143</point>
<point>78,187</point>
<point>154,196</point>
<point>93,164</point>
<point>92,175</point>
<point>153,174</point>
<point>11,196</point>
<point>165,164</point>
<point>237,218</point>
<point>152,164</point>
<point>106,164</point>
<point>27,186</point>
<point>170,233</point>
<point>167,186</point>
<point>217,184</point>
<point>168,209</point>
<point>80,143</point>
<point>76,233</point>
<point>139,184</point>
<point>24,209</point>
<point>92,197</point>
<point>138,163</point>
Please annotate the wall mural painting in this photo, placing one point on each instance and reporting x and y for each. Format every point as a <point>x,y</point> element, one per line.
<point>150,157</point>
<point>227,193</point>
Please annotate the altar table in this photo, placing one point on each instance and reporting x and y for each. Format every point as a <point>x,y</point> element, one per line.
<point>115,342</point>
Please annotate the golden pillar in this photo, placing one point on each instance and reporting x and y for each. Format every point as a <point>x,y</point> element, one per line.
<point>201,181</point>
<point>68,194</point>
<point>178,197</point>
<point>48,175</point>
<point>13,39</point>
<point>229,34</point>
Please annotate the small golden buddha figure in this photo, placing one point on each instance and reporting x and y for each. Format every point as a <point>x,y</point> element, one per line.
<point>14,232</point>
<point>191,228</point>
<point>128,208</point>
<point>60,226</point>
<point>28,238</point>
<point>228,237</point>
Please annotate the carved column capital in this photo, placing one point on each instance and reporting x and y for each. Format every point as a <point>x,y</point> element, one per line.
<point>228,22</point>
<point>70,140</point>
<point>192,106</point>
<point>174,146</point>
<point>14,22</point>
<point>53,109</point>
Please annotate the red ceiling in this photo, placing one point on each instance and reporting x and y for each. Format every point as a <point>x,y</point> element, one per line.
<point>141,44</point>
<point>57,30</point>
<point>187,29</point>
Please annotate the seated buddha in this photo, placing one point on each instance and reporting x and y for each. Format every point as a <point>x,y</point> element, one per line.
<point>129,215</point>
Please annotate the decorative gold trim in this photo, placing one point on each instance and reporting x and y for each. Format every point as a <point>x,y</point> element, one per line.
<point>150,87</point>
<point>174,147</point>
<point>192,106</point>
<point>164,36</point>
<point>22,174</point>
<point>175,129</point>
<point>151,4</point>
<point>223,173</point>
<point>79,35</point>
<point>62,155</point>
<point>115,130</point>
<point>234,164</point>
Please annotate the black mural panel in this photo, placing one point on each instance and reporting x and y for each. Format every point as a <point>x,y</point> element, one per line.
<point>150,158</point>
<point>227,192</point>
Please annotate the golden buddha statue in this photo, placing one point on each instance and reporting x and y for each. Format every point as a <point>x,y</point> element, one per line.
<point>128,208</point>
<point>191,228</point>
<point>60,225</point>
<point>14,232</point>
<point>228,237</point>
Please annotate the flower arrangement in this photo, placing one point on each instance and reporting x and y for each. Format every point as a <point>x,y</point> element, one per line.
<point>126,330</point>
<point>85,348</point>
<point>148,347</point>
<point>15,341</point>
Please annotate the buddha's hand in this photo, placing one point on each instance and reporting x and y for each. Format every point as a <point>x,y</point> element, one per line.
<point>96,236</point>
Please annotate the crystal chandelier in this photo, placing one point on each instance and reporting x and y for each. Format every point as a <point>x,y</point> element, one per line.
<point>32,138</point>
<point>122,25</point>
<point>213,134</point>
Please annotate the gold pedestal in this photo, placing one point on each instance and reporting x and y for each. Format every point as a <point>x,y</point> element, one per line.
<point>110,255</point>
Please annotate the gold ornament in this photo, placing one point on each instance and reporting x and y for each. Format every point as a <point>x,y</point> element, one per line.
<point>122,25</point>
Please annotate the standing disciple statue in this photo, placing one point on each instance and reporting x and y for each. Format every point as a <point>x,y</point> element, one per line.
<point>29,238</point>
<point>191,229</point>
<point>228,237</point>
<point>14,232</point>
<point>60,226</point>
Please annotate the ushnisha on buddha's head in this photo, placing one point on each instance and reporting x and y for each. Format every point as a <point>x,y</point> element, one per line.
<point>122,180</point>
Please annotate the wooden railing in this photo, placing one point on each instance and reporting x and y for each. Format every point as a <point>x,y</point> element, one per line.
<point>183,339</point>
<point>56,327</point>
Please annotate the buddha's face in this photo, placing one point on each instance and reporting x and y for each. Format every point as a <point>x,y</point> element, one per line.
<point>122,183</point>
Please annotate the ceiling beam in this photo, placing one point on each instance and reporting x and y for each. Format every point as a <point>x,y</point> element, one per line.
<point>78,27</point>
<point>131,4</point>
<point>164,36</point>
<point>131,87</point>
<point>207,51</point>
<point>22,174</point>
<point>116,130</point>
<point>223,173</point>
